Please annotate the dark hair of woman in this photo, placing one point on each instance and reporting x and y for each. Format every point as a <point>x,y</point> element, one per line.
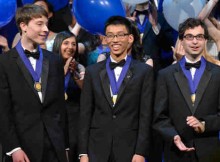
<point>59,40</point>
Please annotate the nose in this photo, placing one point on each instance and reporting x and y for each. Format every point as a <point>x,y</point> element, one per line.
<point>195,40</point>
<point>45,28</point>
<point>115,38</point>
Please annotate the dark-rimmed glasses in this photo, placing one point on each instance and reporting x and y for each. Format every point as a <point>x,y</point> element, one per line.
<point>198,37</point>
<point>120,36</point>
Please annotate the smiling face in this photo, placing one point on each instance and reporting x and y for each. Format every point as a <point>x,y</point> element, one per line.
<point>195,47</point>
<point>118,40</point>
<point>35,32</point>
<point>68,47</point>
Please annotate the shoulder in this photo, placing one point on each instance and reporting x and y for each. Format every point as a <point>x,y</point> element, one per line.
<point>9,54</point>
<point>51,56</point>
<point>170,70</point>
<point>140,65</point>
<point>97,67</point>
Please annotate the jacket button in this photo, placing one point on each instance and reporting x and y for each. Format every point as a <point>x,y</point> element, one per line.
<point>114,116</point>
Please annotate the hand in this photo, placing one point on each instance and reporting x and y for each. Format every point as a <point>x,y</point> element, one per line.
<point>67,64</point>
<point>180,145</point>
<point>193,122</point>
<point>84,158</point>
<point>20,156</point>
<point>178,51</point>
<point>73,66</point>
<point>138,158</point>
<point>128,12</point>
<point>4,43</point>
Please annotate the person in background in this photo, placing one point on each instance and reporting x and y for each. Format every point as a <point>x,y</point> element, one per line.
<point>186,110</point>
<point>32,105</point>
<point>66,45</point>
<point>156,34</point>
<point>114,122</point>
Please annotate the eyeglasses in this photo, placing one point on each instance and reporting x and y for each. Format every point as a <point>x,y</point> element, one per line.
<point>120,36</point>
<point>198,37</point>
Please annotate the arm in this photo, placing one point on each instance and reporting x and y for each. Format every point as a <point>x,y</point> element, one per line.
<point>145,115</point>
<point>207,9</point>
<point>214,32</point>
<point>8,133</point>
<point>162,122</point>
<point>86,110</point>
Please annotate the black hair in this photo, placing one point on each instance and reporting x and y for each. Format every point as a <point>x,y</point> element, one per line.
<point>60,37</point>
<point>119,20</point>
<point>191,23</point>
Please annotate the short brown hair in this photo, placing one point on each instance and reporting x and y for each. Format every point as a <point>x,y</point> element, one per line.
<point>27,13</point>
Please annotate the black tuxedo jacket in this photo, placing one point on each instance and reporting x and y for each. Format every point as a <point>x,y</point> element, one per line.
<point>173,104</point>
<point>24,120</point>
<point>122,130</point>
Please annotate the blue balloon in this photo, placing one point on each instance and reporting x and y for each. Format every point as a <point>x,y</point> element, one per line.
<point>92,14</point>
<point>7,11</point>
<point>58,4</point>
<point>27,2</point>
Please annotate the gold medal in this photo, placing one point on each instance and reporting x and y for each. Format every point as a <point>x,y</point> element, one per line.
<point>66,96</point>
<point>37,86</point>
<point>193,98</point>
<point>114,98</point>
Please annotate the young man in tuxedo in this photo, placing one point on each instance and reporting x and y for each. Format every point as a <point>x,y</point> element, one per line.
<point>32,106</point>
<point>116,102</point>
<point>187,101</point>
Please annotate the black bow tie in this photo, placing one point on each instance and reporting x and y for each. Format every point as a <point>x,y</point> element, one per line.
<point>144,12</point>
<point>35,55</point>
<point>115,64</point>
<point>190,65</point>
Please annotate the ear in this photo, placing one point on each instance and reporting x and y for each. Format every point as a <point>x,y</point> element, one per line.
<point>130,38</point>
<point>50,14</point>
<point>23,27</point>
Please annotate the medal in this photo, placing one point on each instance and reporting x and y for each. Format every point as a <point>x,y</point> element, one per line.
<point>37,86</point>
<point>114,98</point>
<point>193,98</point>
<point>65,96</point>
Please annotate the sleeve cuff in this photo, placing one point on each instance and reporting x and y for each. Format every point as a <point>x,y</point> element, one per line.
<point>156,29</point>
<point>12,151</point>
<point>80,155</point>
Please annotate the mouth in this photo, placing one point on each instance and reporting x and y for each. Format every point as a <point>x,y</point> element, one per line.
<point>43,36</point>
<point>116,47</point>
<point>195,48</point>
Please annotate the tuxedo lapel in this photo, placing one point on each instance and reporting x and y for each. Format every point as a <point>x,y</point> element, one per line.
<point>106,85</point>
<point>184,87</point>
<point>26,75</point>
<point>202,85</point>
<point>124,83</point>
<point>44,76</point>
<point>147,29</point>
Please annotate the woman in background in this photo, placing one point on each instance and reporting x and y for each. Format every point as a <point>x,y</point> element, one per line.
<point>66,45</point>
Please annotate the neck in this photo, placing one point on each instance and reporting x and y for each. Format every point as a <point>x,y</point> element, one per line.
<point>193,58</point>
<point>28,45</point>
<point>118,58</point>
